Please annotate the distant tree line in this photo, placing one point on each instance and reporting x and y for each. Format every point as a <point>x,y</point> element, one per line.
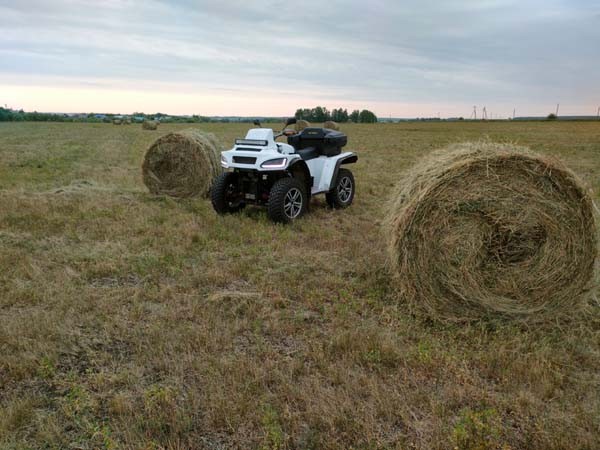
<point>10,115</point>
<point>321,114</point>
<point>317,115</point>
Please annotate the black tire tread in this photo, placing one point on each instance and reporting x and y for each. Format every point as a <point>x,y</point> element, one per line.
<point>217,194</point>
<point>332,197</point>
<point>280,188</point>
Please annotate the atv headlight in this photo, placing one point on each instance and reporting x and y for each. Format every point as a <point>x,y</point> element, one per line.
<point>278,163</point>
<point>257,142</point>
<point>224,162</point>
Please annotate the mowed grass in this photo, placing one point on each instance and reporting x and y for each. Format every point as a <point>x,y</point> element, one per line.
<point>134,321</point>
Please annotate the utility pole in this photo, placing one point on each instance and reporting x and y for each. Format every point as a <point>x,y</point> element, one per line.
<point>557,105</point>
<point>484,114</point>
<point>514,111</point>
<point>598,113</point>
<point>474,115</point>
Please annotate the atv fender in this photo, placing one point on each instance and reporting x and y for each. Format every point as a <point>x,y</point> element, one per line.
<point>331,168</point>
<point>299,169</point>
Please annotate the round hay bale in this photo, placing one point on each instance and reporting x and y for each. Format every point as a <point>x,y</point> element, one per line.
<point>482,229</point>
<point>330,124</point>
<point>302,124</point>
<point>117,121</point>
<point>149,125</point>
<point>182,164</point>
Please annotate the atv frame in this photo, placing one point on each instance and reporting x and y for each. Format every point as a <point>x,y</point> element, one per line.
<point>284,176</point>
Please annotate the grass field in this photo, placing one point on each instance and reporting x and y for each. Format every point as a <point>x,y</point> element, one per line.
<point>133,321</point>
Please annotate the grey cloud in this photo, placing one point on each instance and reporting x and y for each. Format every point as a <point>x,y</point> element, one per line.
<point>382,50</point>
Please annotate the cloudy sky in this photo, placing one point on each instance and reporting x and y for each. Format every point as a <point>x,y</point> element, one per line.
<point>402,58</point>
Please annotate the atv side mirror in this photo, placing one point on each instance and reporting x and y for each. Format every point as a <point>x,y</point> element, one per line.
<point>290,121</point>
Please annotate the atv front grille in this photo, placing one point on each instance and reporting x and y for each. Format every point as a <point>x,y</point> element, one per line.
<point>244,160</point>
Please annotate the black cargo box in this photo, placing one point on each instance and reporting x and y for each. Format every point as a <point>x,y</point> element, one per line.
<point>327,142</point>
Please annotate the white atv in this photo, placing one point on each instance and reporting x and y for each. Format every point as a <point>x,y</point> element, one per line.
<point>282,176</point>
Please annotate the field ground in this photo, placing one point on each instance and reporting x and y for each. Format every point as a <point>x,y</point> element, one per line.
<point>134,321</point>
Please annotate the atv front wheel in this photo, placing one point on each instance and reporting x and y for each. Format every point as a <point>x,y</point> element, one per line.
<point>342,192</point>
<point>224,195</point>
<point>287,200</point>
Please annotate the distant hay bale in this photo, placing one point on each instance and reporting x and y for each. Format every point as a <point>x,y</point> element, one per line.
<point>484,229</point>
<point>117,121</point>
<point>127,122</point>
<point>330,124</point>
<point>149,125</point>
<point>302,124</point>
<point>182,164</point>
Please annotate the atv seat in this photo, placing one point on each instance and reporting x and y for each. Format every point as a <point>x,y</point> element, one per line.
<point>308,153</point>
<point>322,140</point>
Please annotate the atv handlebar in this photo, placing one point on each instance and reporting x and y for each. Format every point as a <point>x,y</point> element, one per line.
<point>285,131</point>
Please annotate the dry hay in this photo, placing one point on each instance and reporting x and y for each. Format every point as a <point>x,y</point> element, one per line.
<point>484,229</point>
<point>117,121</point>
<point>331,125</point>
<point>236,303</point>
<point>182,164</point>
<point>127,122</point>
<point>80,186</point>
<point>302,124</point>
<point>149,125</point>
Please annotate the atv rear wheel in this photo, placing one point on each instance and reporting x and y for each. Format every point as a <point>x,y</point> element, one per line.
<point>225,197</point>
<point>287,200</point>
<point>342,192</point>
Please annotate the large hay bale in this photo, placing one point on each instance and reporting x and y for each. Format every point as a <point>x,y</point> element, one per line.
<point>117,121</point>
<point>149,125</point>
<point>302,124</point>
<point>182,164</point>
<point>330,124</point>
<point>482,229</point>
